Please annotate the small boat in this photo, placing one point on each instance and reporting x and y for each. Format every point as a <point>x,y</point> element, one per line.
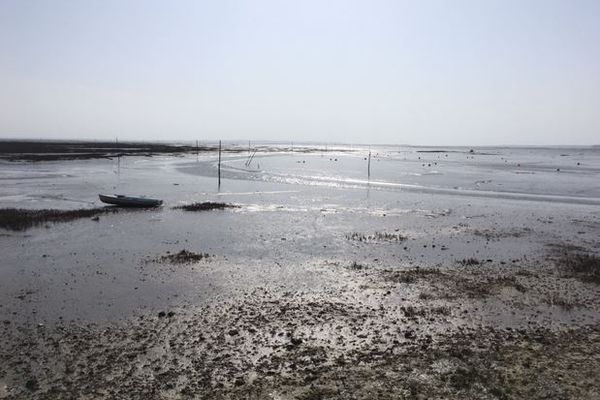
<point>128,201</point>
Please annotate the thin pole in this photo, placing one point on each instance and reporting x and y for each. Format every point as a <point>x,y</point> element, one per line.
<point>219,163</point>
<point>369,166</point>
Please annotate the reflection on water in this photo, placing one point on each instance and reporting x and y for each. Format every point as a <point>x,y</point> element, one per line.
<point>511,173</point>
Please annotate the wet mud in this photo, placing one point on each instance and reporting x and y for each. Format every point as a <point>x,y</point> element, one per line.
<point>312,288</point>
<point>373,335</point>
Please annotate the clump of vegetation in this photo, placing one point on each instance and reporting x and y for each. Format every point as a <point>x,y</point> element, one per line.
<point>507,281</point>
<point>205,206</point>
<point>492,234</point>
<point>476,289</point>
<point>468,262</point>
<point>376,237</point>
<point>184,257</point>
<point>464,378</point>
<point>411,275</point>
<point>356,236</point>
<point>18,219</point>
<point>426,296</point>
<point>583,266</point>
<point>414,312</point>
<point>356,266</point>
<point>567,303</point>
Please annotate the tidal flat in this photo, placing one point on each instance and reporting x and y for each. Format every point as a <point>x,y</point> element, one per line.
<point>448,273</point>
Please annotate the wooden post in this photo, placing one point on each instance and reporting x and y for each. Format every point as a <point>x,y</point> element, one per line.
<point>369,166</point>
<point>219,163</point>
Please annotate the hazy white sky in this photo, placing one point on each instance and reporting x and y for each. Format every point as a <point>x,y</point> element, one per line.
<point>416,72</point>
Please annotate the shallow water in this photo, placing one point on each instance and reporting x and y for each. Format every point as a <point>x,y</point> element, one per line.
<point>541,174</point>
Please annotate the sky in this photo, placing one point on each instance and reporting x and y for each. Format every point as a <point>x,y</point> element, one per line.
<point>463,72</point>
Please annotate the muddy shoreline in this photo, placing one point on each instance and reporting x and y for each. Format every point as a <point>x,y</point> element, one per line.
<point>300,291</point>
<point>64,150</point>
<point>380,332</point>
<point>32,151</point>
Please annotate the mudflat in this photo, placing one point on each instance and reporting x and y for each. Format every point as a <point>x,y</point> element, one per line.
<point>448,273</point>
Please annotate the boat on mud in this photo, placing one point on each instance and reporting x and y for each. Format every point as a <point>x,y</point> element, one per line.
<point>129,201</point>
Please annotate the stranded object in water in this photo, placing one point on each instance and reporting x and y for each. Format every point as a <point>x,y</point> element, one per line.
<point>128,201</point>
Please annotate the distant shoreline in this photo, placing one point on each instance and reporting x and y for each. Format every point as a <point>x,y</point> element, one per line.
<point>25,150</point>
<point>62,150</point>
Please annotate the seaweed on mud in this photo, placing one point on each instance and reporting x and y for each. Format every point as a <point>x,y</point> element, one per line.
<point>468,262</point>
<point>318,393</point>
<point>356,266</point>
<point>184,257</point>
<point>490,234</point>
<point>486,363</point>
<point>583,266</point>
<point>480,288</point>
<point>409,275</point>
<point>507,281</point>
<point>376,237</point>
<point>18,219</point>
<point>567,302</point>
<point>414,312</point>
<point>426,296</point>
<point>205,206</point>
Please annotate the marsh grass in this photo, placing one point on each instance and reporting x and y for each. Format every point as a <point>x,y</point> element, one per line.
<point>356,266</point>
<point>507,281</point>
<point>583,266</point>
<point>184,257</point>
<point>414,312</point>
<point>478,289</point>
<point>18,219</point>
<point>376,237</point>
<point>410,276</point>
<point>469,262</point>
<point>205,206</point>
<point>567,302</point>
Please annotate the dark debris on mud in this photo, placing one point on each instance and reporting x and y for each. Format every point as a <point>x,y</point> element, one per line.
<point>183,257</point>
<point>452,285</point>
<point>298,347</point>
<point>583,266</point>
<point>411,275</point>
<point>335,343</point>
<point>377,237</point>
<point>493,234</point>
<point>205,206</point>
